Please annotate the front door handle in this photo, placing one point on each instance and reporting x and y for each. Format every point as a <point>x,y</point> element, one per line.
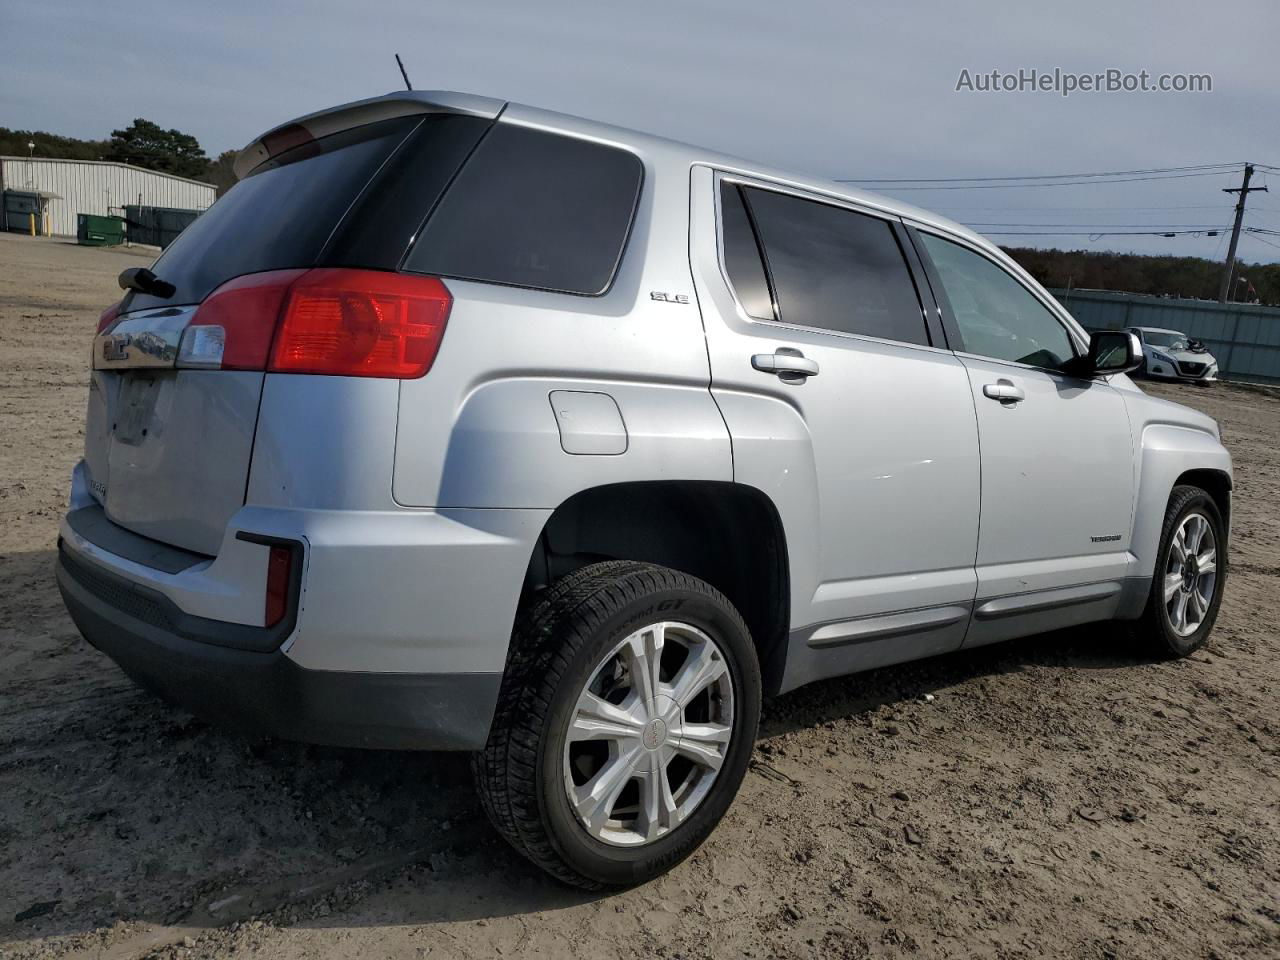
<point>1006,391</point>
<point>786,363</point>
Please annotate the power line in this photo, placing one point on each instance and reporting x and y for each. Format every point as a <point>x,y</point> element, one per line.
<point>1042,176</point>
<point>1269,243</point>
<point>1101,226</point>
<point>1202,231</point>
<point>1193,206</point>
<point>873,184</point>
<point>1222,236</point>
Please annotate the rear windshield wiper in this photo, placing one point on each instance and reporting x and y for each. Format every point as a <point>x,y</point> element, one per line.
<point>144,281</point>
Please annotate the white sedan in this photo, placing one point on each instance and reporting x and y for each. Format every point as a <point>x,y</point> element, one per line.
<point>1174,355</point>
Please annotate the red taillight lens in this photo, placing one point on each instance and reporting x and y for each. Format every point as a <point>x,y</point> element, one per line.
<point>353,323</point>
<point>108,316</point>
<point>361,323</point>
<point>246,309</point>
<point>279,571</point>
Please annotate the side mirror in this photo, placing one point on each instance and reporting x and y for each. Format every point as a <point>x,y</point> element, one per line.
<point>1110,351</point>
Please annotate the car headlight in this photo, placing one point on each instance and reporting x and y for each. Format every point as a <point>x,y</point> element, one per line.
<point>1161,357</point>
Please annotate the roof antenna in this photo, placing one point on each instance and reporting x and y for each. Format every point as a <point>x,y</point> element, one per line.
<point>400,64</point>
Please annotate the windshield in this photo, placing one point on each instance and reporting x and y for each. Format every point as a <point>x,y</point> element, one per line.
<point>1169,341</point>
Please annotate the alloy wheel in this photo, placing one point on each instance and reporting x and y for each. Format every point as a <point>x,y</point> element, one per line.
<point>649,733</point>
<point>1191,574</point>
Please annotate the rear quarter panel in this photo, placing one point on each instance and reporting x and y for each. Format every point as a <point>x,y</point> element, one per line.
<point>479,429</point>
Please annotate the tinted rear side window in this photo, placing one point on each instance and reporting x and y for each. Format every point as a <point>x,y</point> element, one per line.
<point>381,224</point>
<point>742,256</point>
<point>280,215</point>
<point>836,269</point>
<point>534,209</point>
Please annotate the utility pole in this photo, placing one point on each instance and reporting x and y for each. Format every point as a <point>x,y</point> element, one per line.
<point>1244,190</point>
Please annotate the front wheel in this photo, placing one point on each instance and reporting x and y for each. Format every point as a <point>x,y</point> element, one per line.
<point>1191,571</point>
<point>625,724</point>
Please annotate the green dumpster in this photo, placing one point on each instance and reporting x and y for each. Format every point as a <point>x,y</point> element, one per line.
<point>96,231</point>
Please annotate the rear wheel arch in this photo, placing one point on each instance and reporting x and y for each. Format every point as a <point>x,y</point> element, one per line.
<point>729,535</point>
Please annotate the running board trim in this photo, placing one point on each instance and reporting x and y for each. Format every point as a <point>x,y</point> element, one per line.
<point>1023,603</point>
<point>883,626</point>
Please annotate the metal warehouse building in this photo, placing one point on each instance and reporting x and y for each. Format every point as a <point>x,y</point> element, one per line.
<point>69,187</point>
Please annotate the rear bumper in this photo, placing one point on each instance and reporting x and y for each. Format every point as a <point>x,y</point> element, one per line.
<point>267,693</point>
<point>396,636</point>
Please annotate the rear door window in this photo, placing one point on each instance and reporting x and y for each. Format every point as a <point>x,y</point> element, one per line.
<point>835,268</point>
<point>534,209</point>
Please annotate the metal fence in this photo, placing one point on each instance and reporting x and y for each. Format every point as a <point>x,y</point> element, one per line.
<point>1245,339</point>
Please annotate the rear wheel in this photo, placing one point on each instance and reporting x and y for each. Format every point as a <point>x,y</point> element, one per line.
<point>1191,571</point>
<point>625,724</point>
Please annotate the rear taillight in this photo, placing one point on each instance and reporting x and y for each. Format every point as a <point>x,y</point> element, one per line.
<point>233,328</point>
<point>361,323</point>
<point>341,322</point>
<point>108,316</point>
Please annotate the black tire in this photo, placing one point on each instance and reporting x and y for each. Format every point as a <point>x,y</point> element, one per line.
<point>1155,629</point>
<point>557,643</point>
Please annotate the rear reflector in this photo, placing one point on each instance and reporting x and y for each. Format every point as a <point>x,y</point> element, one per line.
<point>340,322</point>
<point>279,574</point>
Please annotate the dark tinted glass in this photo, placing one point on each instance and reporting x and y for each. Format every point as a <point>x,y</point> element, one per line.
<point>279,216</point>
<point>997,316</point>
<point>836,269</point>
<point>742,256</point>
<point>534,209</point>
<point>381,224</point>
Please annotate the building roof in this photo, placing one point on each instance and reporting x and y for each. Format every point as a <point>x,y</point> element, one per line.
<point>110,163</point>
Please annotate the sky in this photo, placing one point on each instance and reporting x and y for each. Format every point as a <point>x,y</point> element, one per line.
<point>837,89</point>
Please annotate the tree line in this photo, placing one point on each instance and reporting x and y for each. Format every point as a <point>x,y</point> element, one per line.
<point>142,143</point>
<point>1161,276</point>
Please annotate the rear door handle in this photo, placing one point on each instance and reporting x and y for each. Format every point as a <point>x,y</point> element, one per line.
<point>785,363</point>
<point>1006,391</point>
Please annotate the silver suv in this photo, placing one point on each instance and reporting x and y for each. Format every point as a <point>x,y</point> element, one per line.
<point>458,424</point>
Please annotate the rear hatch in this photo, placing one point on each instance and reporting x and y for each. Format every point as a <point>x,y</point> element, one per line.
<point>171,422</point>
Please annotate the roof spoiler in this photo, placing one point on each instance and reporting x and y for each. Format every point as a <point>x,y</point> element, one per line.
<point>403,103</point>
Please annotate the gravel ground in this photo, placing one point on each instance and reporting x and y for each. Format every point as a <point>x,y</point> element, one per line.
<point>1056,796</point>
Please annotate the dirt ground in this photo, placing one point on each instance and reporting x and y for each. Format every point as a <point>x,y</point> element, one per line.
<point>1057,796</point>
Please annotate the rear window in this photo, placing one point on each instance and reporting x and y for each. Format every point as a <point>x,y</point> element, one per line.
<point>280,215</point>
<point>534,209</point>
